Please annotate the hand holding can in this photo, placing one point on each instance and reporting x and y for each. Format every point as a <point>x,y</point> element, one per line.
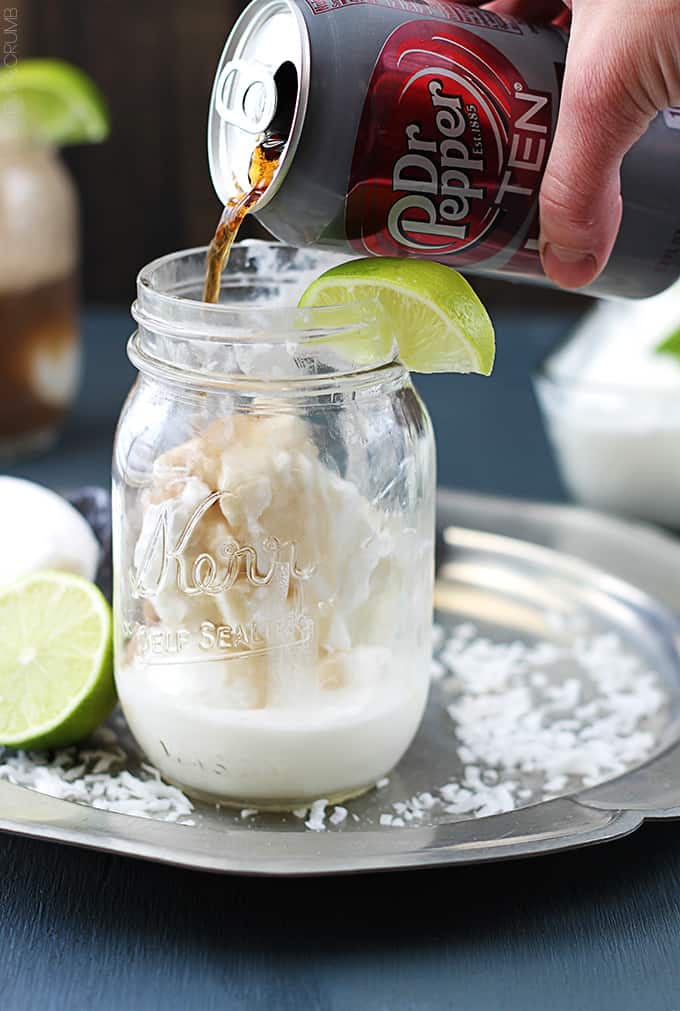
<point>622,68</point>
<point>425,128</point>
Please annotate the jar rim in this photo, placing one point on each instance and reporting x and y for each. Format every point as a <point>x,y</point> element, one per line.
<point>164,302</point>
<point>256,330</point>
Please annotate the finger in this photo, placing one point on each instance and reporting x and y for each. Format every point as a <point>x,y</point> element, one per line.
<point>580,199</point>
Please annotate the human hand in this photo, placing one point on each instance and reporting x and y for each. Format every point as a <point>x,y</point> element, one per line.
<point>623,66</point>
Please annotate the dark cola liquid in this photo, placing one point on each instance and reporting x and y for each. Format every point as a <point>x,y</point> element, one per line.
<point>263,165</point>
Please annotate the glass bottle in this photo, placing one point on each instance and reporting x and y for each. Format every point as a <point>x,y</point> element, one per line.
<point>39,336</point>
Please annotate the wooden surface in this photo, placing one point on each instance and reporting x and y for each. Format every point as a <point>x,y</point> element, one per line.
<point>593,930</point>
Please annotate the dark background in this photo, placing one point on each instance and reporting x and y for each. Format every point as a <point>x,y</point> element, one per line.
<point>147,191</point>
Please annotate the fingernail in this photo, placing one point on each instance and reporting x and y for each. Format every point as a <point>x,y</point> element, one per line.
<point>570,268</point>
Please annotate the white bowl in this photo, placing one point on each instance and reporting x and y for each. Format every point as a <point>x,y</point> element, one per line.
<point>611,405</point>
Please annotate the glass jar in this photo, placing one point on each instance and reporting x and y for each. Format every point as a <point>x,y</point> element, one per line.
<point>39,338</point>
<point>274,486</point>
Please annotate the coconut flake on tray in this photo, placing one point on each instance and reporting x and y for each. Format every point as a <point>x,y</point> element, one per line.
<point>94,776</point>
<point>317,816</point>
<point>520,721</point>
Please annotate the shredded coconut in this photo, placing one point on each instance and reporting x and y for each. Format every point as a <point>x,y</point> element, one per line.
<point>587,727</point>
<point>84,776</point>
<point>317,816</point>
<point>517,717</point>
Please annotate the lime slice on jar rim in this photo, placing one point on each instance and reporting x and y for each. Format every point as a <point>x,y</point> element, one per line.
<point>52,101</point>
<point>56,667</point>
<point>435,317</point>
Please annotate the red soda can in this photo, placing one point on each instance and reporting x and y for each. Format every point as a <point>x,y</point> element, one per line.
<point>422,128</point>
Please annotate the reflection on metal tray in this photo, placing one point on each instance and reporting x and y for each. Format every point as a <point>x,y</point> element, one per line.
<point>511,568</point>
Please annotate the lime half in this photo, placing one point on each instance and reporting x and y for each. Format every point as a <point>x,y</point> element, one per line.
<point>436,318</point>
<point>54,102</point>
<point>56,670</point>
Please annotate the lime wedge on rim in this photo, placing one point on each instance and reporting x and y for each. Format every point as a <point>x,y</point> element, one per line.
<point>56,669</point>
<point>54,102</point>
<point>436,318</point>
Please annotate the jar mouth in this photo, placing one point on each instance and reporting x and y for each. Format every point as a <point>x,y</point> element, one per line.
<point>256,328</point>
<point>260,289</point>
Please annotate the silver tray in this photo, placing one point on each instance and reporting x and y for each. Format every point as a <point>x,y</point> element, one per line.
<point>496,558</point>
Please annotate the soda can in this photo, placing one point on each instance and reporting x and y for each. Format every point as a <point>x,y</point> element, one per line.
<point>422,128</point>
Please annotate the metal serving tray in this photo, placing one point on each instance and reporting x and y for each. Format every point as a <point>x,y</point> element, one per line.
<point>499,560</point>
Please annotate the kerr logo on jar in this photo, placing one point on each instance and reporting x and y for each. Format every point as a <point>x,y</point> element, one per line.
<point>450,150</point>
<point>166,560</point>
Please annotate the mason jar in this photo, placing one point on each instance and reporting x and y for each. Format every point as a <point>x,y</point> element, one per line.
<point>274,485</point>
<point>39,334</point>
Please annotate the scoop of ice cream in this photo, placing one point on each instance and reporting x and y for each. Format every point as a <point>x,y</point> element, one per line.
<point>40,530</point>
<point>246,527</point>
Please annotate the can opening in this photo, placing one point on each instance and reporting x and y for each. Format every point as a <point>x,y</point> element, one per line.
<point>287,86</point>
<point>259,96</point>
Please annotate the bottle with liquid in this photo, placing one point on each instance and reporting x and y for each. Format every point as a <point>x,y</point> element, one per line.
<point>39,335</point>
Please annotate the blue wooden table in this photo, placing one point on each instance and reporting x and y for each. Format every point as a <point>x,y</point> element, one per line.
<point>593,930</point>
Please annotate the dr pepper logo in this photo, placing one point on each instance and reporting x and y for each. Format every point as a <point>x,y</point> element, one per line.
<point>450,150</point>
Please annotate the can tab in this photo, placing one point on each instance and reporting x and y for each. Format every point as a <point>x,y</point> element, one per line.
<point>245,95</point>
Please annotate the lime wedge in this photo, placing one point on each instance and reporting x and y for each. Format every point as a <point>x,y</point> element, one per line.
<point>54,102</point>
<point>56,676</point>
<point>436,318</point>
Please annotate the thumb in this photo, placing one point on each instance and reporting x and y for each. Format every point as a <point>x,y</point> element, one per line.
<point>599,120</point>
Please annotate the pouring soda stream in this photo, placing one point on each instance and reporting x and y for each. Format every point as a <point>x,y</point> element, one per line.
<point>261,172</point>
